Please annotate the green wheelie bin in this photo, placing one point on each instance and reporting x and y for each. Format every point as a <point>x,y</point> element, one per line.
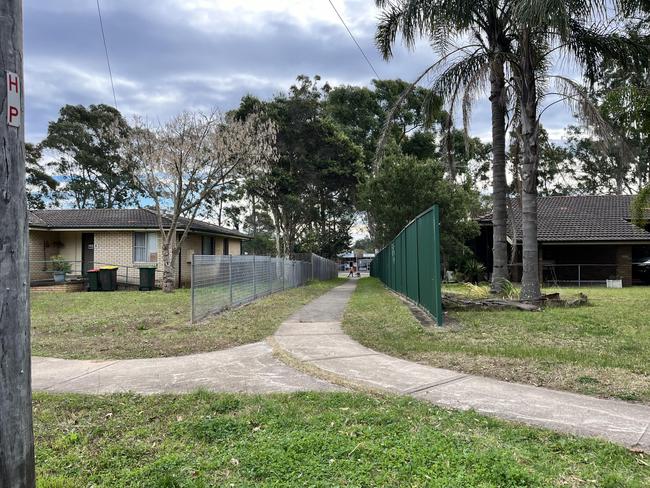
<point>147,278</point>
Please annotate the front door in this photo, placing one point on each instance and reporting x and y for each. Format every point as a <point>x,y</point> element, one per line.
<point>87,251</point>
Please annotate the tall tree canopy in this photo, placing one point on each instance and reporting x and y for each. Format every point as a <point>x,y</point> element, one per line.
<point>310,190</point>
<point>41,186</point>
<point>407,186</point>
<point>90,145</point>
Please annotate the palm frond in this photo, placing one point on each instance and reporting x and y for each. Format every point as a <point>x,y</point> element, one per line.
<point>398,103</point>
<point>585,109</point>
<point>590,45</point>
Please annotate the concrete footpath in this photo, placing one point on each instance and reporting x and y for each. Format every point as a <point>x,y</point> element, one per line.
<point>314,337</point>
<point>246,369</point>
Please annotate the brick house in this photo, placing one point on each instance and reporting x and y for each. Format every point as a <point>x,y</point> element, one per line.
<point>128,238</point>
<point>582,239</point>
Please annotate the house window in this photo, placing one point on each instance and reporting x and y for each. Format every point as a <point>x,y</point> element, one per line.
<point>145,247</point>
<point>226,247</point>
<point>207,245</point>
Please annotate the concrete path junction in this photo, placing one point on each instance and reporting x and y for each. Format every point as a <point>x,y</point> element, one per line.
<point>313,340</point>
<point>314,337</point>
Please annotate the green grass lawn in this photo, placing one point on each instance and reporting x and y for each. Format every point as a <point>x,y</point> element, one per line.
<point>602,349</point>
<point>132,324</point>
<point>307,439</point>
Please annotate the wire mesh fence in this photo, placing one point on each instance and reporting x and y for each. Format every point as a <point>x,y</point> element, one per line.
<point>221,282</point>
<point>571,275</point>
<point>322,268</point>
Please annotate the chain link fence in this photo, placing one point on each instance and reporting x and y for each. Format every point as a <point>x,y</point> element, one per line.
<point>221,282</point>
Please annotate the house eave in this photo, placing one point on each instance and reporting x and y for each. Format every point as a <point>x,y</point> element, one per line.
<point>132,229</point>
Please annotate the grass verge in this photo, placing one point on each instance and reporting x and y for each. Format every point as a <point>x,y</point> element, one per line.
<point>131,324</point>
<point>307,439</point>
<point>602,349</point>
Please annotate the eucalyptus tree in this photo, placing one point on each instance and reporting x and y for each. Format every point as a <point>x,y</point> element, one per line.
<point>89,145</point>
<point>486,34</point>
<point>587,32</point>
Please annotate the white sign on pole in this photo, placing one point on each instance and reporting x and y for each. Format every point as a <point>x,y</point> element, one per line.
<point>14,114</point>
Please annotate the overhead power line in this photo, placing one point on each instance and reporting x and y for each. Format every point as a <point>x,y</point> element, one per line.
<point>355,41</point>
<point>108,61</point>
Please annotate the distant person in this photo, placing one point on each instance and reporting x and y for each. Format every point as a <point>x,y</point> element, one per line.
<point>351,273</point>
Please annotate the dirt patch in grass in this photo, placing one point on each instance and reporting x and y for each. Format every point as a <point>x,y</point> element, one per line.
<point>602,349</point>
<point>131,324</point>
<point>307,439</point>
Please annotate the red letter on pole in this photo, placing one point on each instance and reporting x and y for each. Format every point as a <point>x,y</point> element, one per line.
<point>12,81</point>
<point>13,113</point>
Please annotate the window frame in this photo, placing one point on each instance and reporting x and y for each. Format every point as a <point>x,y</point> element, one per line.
<point>211,241</point>
<point>146,248</point>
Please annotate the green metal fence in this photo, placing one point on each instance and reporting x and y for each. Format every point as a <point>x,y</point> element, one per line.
<point>410,264</point>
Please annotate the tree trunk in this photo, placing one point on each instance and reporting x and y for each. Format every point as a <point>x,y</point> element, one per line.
<point>168,268</point>
<point>530,286</point>
<point>499,214</point>
<point>16,438</point>
<point>275,213</point>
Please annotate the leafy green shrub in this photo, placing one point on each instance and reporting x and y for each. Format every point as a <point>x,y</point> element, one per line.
<point>473,270</point>
<point>59,263</point>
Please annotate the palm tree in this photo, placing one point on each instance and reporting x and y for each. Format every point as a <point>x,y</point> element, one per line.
<point>487,26</point>
<point>586,31</point>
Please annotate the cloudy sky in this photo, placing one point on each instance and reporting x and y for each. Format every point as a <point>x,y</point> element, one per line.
<point>169,55</point>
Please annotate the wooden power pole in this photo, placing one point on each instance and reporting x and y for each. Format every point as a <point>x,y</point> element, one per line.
<point>16,436</point>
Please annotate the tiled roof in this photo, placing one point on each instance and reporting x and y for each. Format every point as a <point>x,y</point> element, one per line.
<point>581,218</point>
<point>115,218</point>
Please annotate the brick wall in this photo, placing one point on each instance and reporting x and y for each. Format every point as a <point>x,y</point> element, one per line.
<point>235,247</point>
<point>113,247</point>
<point>624,264</point>
<point>37,255</point>
<point>193,245</point>
<point>59,288</point>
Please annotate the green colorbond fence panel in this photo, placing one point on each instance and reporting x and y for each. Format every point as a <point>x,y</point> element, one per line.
<point>410,264</point>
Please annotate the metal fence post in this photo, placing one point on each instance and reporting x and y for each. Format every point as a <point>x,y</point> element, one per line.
<point>230,276</point>
<point>254,284</point>
<point>192,287</point>
<point>268,271</point>
<point>284,284</point>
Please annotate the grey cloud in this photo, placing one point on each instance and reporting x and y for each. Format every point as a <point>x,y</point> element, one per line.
<point>161,65</point>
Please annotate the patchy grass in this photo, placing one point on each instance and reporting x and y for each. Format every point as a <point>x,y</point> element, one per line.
<point>131,324</point>
<point>602,349</point>
<point>307,439</point>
